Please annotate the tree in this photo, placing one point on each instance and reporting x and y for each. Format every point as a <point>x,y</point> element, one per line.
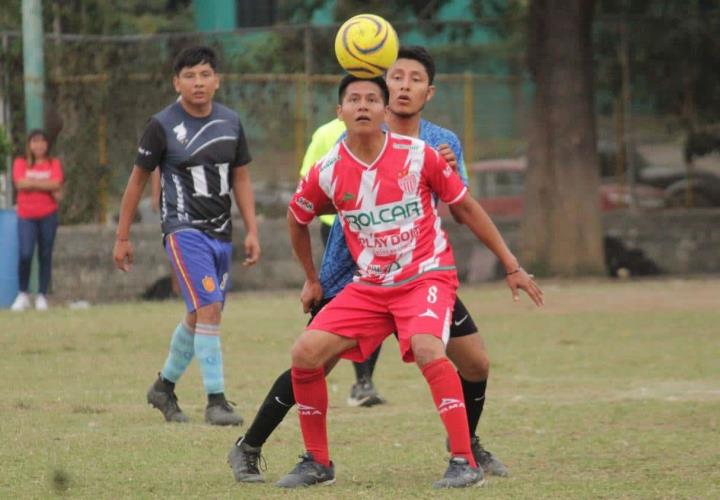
<point>561,231</point>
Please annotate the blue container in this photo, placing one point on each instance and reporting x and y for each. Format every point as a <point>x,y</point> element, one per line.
<point>8,258</point>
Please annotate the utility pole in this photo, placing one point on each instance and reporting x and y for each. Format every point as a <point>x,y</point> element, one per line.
<point>33,64</point>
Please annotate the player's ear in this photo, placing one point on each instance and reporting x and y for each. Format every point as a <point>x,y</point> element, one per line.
<point>176,83</point>
<point>217,81</point>
<point>338,111</point>
<point>430,93</point>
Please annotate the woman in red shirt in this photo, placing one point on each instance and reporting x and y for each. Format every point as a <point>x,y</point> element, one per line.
<point>38,179</point>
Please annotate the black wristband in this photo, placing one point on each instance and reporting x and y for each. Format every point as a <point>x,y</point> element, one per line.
<point>513,272</point>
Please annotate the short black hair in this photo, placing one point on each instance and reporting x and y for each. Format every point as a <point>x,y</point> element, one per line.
<point>421,55</point>
<point>192,56</point>
<point>378,80</point>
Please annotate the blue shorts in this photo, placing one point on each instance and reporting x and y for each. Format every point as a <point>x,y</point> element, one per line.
<point>202,266</point>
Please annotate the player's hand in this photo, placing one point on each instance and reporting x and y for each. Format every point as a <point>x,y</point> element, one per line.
<point>311,295</point>
<point>520,279</point>
<point>448,155</point>
<point>252,250</point>
<point>123,254</point>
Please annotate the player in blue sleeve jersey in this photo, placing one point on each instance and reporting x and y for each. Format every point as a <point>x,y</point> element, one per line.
<point>410,84</point>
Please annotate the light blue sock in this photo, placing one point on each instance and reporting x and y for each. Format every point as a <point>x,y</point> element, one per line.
<point>182,349</point>
<point>209,355</point>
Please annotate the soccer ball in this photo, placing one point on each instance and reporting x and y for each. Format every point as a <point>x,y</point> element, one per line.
<point>366,46</point>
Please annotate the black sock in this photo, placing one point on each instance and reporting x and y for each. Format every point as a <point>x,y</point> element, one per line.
<point>474,396</point>
<point>272,411</point>
<point>364,371</point>
<point>170,386</point>
<point>216,398</point>
<point>372,360</point>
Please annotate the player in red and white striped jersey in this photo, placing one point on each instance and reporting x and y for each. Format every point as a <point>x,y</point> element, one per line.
<point>382,187</point>
<point>387,207</point>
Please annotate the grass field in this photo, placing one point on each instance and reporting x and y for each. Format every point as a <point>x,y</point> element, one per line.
<point>611,391</point>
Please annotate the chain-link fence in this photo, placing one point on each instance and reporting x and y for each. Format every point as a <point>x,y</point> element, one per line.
<point>282,81</point>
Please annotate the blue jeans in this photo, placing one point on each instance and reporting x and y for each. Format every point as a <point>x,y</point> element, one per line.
<point>43,232</point>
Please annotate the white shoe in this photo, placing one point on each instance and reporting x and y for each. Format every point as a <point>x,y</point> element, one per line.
<point>22,302</point>
<point>41,303</point>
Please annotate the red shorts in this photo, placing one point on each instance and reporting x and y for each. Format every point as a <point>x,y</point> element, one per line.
<point>370,313</point>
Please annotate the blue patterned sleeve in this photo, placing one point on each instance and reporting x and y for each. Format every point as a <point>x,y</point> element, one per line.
<point>338,267</point>
<point>457,149</point>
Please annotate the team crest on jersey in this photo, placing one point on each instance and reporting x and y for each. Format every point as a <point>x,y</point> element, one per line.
<point>208,284</point>
<point>447,171</point>
<point>408,183</point>
<point>180,132</point>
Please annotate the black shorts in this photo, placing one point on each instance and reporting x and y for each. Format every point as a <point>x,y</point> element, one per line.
<point>462,323</point>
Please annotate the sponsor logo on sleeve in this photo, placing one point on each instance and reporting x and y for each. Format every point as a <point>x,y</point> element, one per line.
<point>305,204</point>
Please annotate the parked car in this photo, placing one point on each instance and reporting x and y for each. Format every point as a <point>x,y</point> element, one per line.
<point>499,185</point>
<point>703,184</point>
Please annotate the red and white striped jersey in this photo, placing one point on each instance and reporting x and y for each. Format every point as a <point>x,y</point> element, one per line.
<point>387,209</point>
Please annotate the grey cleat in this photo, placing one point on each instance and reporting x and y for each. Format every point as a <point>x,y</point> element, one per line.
<point>308,472</point>
<point>243,460</point>
<point>220,412</point>
<point>363,393</point>
<point>489,462</point>
<point>162,396</point>
<point>460,474</point>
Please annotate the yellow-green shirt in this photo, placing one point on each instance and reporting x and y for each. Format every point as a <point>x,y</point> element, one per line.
<point>323,139</point>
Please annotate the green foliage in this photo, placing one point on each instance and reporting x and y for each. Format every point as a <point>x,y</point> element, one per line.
<point>400,9</point>
<point>6,147</point>
<point>674,55</point>
<point>108,17</point>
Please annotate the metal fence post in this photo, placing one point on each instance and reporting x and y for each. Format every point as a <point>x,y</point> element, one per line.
<point>469,131</point>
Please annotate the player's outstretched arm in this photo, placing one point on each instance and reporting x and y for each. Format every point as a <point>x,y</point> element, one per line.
<point>245,200</point>
<point>123,250</point>
<point>469,212</point>
<point>300,240</point>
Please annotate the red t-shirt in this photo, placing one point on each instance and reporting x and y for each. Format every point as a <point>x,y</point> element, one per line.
<point>31,203</point>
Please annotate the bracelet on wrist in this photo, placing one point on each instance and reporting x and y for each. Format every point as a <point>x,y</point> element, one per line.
<point>513,272</point>
<point>117,238</point>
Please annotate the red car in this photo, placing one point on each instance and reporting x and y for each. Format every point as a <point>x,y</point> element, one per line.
<point>499,185</point>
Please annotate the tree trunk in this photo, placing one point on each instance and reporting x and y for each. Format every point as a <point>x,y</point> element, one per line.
<point>561,228</point>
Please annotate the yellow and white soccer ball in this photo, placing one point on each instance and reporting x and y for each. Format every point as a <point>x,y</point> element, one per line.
<point>366,45</point>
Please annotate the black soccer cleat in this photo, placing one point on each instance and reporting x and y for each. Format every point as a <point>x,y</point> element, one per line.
<point>460,474</point>
<point>244,460</point>
<point>308,472</point>
<point>219,412</point>
<point>489,462</point>
<point>363,393</point>
<point>163,397</point>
